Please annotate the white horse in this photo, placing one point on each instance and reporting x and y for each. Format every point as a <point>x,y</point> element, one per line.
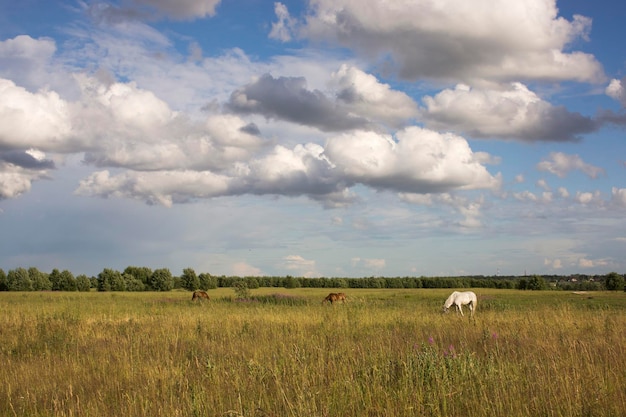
<point>460,299</point>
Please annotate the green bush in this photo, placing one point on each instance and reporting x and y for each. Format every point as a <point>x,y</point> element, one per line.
<point>241,290</point>
<point>614,282</point>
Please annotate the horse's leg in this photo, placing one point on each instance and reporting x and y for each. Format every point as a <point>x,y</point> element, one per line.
<point>458,306</point>
<point>471,308</point>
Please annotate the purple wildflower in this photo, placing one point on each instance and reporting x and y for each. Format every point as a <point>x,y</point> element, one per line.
<point>450,353</point>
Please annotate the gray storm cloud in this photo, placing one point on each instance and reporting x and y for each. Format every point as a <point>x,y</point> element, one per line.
<point>27,159</point>
<point>287,98</point>
<point>359,101</point>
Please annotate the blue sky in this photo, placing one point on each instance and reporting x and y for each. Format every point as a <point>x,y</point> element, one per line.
<point>321,138</point>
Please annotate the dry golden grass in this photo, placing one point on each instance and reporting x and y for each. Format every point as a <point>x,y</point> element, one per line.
<point>384,353</point>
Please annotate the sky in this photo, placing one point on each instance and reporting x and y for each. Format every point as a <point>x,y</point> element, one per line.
<point>314,138</point>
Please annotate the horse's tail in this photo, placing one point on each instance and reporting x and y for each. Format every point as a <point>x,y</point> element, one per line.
<point>474,305</point>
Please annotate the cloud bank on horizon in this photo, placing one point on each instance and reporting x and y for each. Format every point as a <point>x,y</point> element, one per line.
<point>410,122</point>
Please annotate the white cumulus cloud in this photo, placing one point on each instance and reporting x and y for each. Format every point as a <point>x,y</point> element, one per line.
<point>456,39</point>
<point>363,94</point>
<point>511,112</point>
<point>588,198</point>
<point>41,120</point>
<point>616,90</point>
<point>16,180</point>
<point>418,161</point>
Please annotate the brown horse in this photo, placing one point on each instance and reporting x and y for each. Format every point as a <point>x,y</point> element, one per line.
<point>199,294</point>
<point>335,296</point>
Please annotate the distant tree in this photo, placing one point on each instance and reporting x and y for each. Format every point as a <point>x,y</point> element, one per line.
<point>18,280</point>
<point>177,283</point>
<point>252,282</point>
<point>83,283</point>
<point>55,279</point>
<point>591,286</point>
<point>118,283</point>
<point>108,280</point>
<point>394,283</point>
<point>271,281</point>
<point>4,285</point>
<point>265,281</point>
<point>189,279</point>
<point>227,282</point>
<point>40,280</point>
<point>132,283</point>
<point>505,284</point>
<point>141,273</point>
<point>536,283</point>
<point>339,283</point>
<point>291,282</point>
<point>67,281</point>
<point>207,282</point>
<point>614,282</point>
<point>161,280</point>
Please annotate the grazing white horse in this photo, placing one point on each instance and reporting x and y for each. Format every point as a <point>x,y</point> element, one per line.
<point>459,299</point>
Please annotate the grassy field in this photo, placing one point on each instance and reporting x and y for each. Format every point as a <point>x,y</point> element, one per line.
<point>384,353</point>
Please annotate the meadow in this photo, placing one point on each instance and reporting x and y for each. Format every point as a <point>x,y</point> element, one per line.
<point>384,353</point>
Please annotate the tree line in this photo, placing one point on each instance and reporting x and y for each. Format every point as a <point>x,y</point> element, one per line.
<point>135,278</point>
